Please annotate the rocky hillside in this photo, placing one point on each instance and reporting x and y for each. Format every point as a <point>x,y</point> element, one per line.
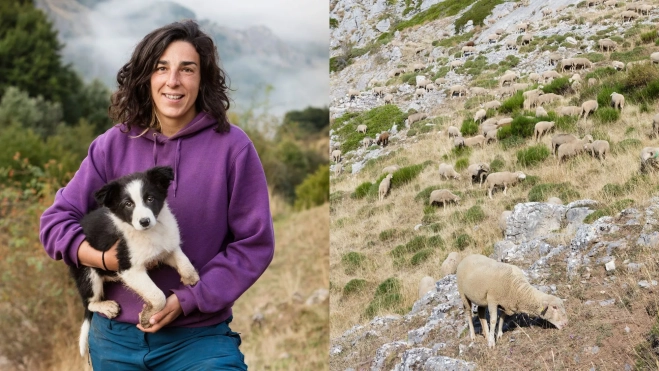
<point>380,249</point>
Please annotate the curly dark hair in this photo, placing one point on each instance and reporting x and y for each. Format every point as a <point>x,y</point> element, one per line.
<point>132,103</point>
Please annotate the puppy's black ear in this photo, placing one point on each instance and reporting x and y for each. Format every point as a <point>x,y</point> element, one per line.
<point>106,194</point>
<point>160,175</point>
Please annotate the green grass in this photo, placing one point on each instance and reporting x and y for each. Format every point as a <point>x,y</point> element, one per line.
<point>354,286</point>
<point>533,155</point>
<point>469,128</point>
<point>477,13</point>
<point>512,104</point>
<point>352,261</point>
<point>387,296</point>
<point>447,8</point>
<point>541,192</point>
<point>377,120</point>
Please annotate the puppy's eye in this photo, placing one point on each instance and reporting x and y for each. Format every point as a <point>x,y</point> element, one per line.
<point>149,199</point>
<point>128,204</point>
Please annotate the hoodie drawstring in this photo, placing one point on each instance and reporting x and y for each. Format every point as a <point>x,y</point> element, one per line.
<point>155,142</point>
<point>177,158</point>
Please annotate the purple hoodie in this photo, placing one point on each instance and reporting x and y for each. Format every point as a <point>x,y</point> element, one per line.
<point>219,197</point>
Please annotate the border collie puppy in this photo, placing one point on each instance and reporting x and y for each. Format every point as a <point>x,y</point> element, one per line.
<point>133,211</point>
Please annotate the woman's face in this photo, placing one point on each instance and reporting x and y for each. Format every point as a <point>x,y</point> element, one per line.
<point>175,85</point>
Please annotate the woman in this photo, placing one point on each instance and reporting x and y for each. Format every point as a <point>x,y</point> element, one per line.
<point>172,102</point>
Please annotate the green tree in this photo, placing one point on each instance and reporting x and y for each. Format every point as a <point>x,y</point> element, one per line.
<point>37,114</point>
<point>314,190</point>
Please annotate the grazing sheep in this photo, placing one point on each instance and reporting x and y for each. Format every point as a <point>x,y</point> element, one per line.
<point>532,92</point>
<point>628,15</point>
<point>540,112</point>
<point>478,140</point>
<point>570,111</point>
<point>390,169</point>
<point>559,139</point>
<point>493,104</point>
<point>504,121</point>
<point>443,196</point>
<point>336,155</point>
<point>598,148</point>
<point>522,27</point>
<point>477,90</point>
<point>419,93</point>
<point>572,148</point>
<point>426,284</point>
<point>617,101</point>
<point>352,93</point>
<point>395,72</point>
<point>503,178</point>
<point>526,39</point>
<point>422,82</point>
<point>607,44</point>
<point>450,264</point>
<point>440,81</point>
<point>588,107</point>
<point>554,201</point>
<point>655,125</point>
<point>416,117</point>
<point>575,77</point>
<point>492,39</point>
<point>507,78</point>
<point>649,159</point>
<point>511,44</point>
<point>619,66</point>
<point>446,171</point>
<point>418,67</point>
<point>361,128</point>
<point>458,142</point>
<point>468,50</point>
<point>654,57</point>
<point>385,185</point>
<point>486,129</point>
<point>456,63</point>
<point>367,142</point>
<point>507,91</point>
<point>499,31</point>
<point>592,81</point>
<point>503,221</point>
<point>379,91</point>
<point>551,74</point>
<point>460,89</point>
<point>430,87</point>
<point>548,98</point>
<point>489,283</point>
<point>389,98</point>
<point>338,169</point>
<point>480,115</point>
<point>567,64</point>
<point>554,58</point>
<point>453,131</point>
<point>534,77</point>
<point>383,138</point>
<point>478,172</point>
<point>541,128</point>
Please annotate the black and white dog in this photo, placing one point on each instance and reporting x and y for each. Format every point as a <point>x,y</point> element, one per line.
<point>132,210</point>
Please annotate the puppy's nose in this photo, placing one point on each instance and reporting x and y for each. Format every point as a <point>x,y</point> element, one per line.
<point>144,222</point>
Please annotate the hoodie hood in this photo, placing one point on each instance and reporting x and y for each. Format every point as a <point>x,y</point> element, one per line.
<point>203,121</point>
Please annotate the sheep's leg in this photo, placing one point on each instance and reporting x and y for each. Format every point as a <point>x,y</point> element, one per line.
<point>481,317</point>
<point>505,187</point>
<point>502,317</point>
<point>467,307</point>
<point>492,307</point>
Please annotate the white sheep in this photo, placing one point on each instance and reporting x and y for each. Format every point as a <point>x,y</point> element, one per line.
<point>588,107</point>
<point>504,121</point>
<point>503,178</point>
<point>443,196</point>
<point>352,93</point>
<point>389,98</point>
<point>390,169</point>
<point>338,169</point>
<point>493,104</point>
<point>361,128</point>
<point>598,148</point>
<point>617,101</point>
<point>540,112</point>
<point>541,128</point>
<point>415,117</point>
<point>570,111</point>
<point>618,65</point>
<point>655,125</point>
<point>446,171</point>
<point>367,142</point>
<point>453,132</point>
<point>426,284</point>
<point>492,135</point>
<point>503,221</point>
<point>385,184</point>
<point>419,93</point>
<point>554,201</point>
<point>489,283</point>
<point>649,159</point>
<point>336,155</point>
<point>480,115</point>
<point>478,140</point>
<point>592,81</point>
<point>572,148</point>
<point>654,57</point>
<point>478,172</point>
<point>450,264</point>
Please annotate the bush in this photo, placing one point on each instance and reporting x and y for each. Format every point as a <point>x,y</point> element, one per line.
<point>333,23</point>
<point>523,126</point>
<point>378,119</point>
<point>559,86</point>
<point>314,190</point>
<point>469,128</point>
<point>406,174</point>
<point>477,14</point>
<point>387,234</point>
<point>615,208</point>
<point>363,190</point>
<point>605,115</point>
<point>532,155</point>
<point>462,241</point>
<point>421,256</point>
<point>626,145</point>
<point>352,261</point>
<point>354,286</point>
<point>387,296</point>
<point>564,191</point>
<point>461,164</point>
<point>649,37</point>
<point>497,164</point>
<point>514,103</point>
<point>473,215</point>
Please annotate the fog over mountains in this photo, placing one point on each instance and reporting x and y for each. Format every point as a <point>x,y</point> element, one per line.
<point>99,36</point>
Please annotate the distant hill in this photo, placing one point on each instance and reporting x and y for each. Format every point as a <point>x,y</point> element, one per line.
<point>100,34</point>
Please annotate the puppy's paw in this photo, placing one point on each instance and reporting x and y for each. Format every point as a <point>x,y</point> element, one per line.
<point>145,315</point>
<point>191,278</point>
<point>109,308</point>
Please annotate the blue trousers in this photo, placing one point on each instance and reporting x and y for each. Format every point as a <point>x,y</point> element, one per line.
<point>123,347</point>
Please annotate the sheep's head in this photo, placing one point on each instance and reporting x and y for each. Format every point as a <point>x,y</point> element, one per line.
<point>650,153</point>
<point>589,138</point>
<point>520,175</point>
<point>554,311</point>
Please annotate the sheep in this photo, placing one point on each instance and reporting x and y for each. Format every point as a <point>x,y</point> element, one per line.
<point>554,201</point>
<point>475,140</point>
<point>655,125</point>
<point>418,67</point>
<point>430,87</point>
<point>460,89</point>
<point>628,15</point>
<point>458,142</point>
<point>492,39</point>
<point>546,12</point>
<point>336,155</point>
<point>379,91</point>
<point>607,44</point>
<point>389,98</point>
<point>443,196</point>
<point>570,111</point>
<point>416,117</point>
<point>504,121</point>
<point>492,121</point>
<point>480,115</point>
<point>526,39</point>
<point>588,107</point>
<point>426,284</point>
<point>541,128</point>
<point>450,264</point>
<point>547,98</point>
<point>532,92</point>
<point>390,169</point>
<point>419,93</point>
<point>592,81</point>
<point>338,169</point>
<point>598,148</point>
<point>486,129</point>
<point>456,63</point>
<point>575,77</point>
<point>619,66</point>
<point>352,93</point>
<point>385,185</point>
<point>504,178</point>
<point>617,101</point>
<point>440,81</point>
<point>507,78</point>
<point>446,171</point>
<point>422,82</point>
<point>468,50</point>
<point>551,74</point>
<point>477,90</point>
<point>540,112</point>
<point>511,44</point>
<point>654,57</point>
<point>649,159</point>
<point>361,128</point>
<point>453,131</point>
<point>478,172</point>
<point>499,31</point>
<point>395,72</point>
<point>534,77</point>
<point>554,58</point>
<point>493,104</point>
<point>489,283</point>
<point>383,138</point>
<point>559,139</point>
<point>507,91</point>
<point>503,221</point>
<point>367,142</point>
<point>572,148</point>
<point>522,27</point>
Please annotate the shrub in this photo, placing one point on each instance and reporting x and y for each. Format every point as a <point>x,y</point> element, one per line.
<point>640,75</point>
<point>559,86</point>
<point>477,14</point>
<point>387,234</point>
<point>532,155</point>
<point>626,145</point>
<point>473,215</point>
<point>352,261</point>
<point>469,128</point>
<point>461,164</point>
<point>615,208</point>
<point>605,115</point>
<point>354,286</point>
<point>333,23</point>
<point>615,190</point>
<point>564,191</point>
<point>406,174</point>
<point>649,37</point>
<point>314,190</point>
<point>362,190</point>
<point>421,256</point>
<point>512,104</point>
<point>378,119</point>
<point>523,126</point>
<point>497,164</point>
<point>462,241</point>
<point>387,295</point>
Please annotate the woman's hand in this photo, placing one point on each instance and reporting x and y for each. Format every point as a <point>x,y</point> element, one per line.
<point>169,313</point>
<point>90,257</point>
